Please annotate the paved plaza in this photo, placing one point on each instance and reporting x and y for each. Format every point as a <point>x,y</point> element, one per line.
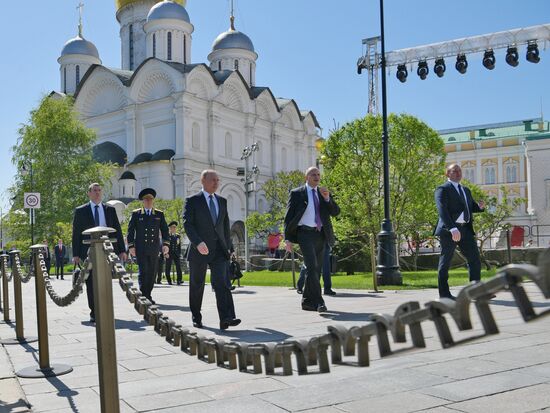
<point>508,372</point>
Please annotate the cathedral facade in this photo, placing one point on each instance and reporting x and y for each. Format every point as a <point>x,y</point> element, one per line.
<point>162,119</point>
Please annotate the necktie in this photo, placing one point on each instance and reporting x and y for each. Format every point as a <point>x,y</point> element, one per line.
<point>212,208</point>
<point>466,210</point>
<point>96,215</point>
<point>318,223</point>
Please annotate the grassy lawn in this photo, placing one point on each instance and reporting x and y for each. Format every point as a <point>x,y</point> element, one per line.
<point>359,281</point>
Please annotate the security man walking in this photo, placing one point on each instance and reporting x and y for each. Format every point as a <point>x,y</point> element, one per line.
<point>174,254</point>
<point>143,237</point>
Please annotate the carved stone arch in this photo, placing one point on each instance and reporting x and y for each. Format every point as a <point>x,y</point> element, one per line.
<point>197,87</point>
<point>157,85</point>
<point>262,110</point>
<point>200,83</point>
<point>194,187</point>
<point>232,98</point>
<point>235,192</point>
<point>291,117</point>
<point>266,108</point>
<point>101,94</point>
<point>286,120</point>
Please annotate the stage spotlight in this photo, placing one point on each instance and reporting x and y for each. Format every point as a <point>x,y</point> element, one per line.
<point>532,53</point>
<point>422,70</point>
<point>439,67</point>
<point>512,57</point>
<point>461,64</point>
<point>402,73</point>
<point>489,59</point>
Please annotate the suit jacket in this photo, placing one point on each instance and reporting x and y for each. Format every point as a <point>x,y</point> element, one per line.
<point>144,230</point>
<point>297,204</point>
<point>199,227</point>
<point>450,205</point>
<point>84,219</point>
<point>59,252</point>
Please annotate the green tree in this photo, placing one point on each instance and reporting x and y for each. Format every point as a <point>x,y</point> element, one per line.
<point>59,148</point>
<point>276,193</point>
<point>353,170</point>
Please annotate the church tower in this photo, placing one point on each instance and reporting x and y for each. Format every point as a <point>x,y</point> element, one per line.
<point>132,16</point>
<point>77,56</point>
<point>233,50</point>
<point>168,32</point>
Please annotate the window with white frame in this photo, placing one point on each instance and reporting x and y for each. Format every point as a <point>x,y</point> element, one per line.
<point>489,174</point>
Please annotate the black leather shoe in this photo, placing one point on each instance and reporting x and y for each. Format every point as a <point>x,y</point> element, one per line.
<point>92,319</point>
<point>307,307</point>
<point>197,324</point>
<point>329,292</point>
<point>235,322</point>
<point>299,291</point>
<point>321,308</point>
<point>180,282</point>
<point>224,325</point>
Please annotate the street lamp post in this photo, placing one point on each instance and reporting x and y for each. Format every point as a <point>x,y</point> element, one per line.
<point>387,270</point>
<point>28,170</point>
<point>248,151</point>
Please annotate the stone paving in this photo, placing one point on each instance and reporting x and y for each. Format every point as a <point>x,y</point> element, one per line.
<point>508,372</point>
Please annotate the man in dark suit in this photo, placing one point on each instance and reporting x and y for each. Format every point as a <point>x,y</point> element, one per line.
<point>59,251</point>
<point>174,254</point>
<point>307,222</point>
<point>94,214</point>
<point>206,224</point>
<point>145,227</point>
<point>456,207</point>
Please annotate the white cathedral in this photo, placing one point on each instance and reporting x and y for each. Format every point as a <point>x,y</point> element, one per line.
<point>163,118</point>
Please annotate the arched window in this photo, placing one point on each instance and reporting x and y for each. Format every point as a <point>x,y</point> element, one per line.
<point>169,45</point>
<point>154,45</point>
<point>511,173</point>
<point>131,45</point>
<point>251,80</point>
<point>123,190</point>
<point>77,75</point>
<point>236,64</point>
<point>261,206</point>
<point>64,80</point>
<point>184,49</point>
<point>283,159</point>
<point>230,206</point>
<point>195,136</point>
<point>220,65</point>
<point>228,145</point>
<point>490,175</point>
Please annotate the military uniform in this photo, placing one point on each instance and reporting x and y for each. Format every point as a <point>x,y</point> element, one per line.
<point>143,235</point>
<point>174,256</point>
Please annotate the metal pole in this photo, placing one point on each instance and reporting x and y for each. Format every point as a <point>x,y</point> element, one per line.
<point>246,258</point>
<point>44,368</point>
<point>105,320</point>
<point>17,298</point>
<point>373,262</point>
<point>32,209</point>
<point>387,268</point>
<point>5,294</point>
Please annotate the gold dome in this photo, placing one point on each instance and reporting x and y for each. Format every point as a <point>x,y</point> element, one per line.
<point>121,3</point>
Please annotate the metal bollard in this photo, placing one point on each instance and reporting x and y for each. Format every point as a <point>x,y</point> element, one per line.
<point>5,291</point>
<point>17,298</point>
<point>105,320</point>
<point>44,368</point>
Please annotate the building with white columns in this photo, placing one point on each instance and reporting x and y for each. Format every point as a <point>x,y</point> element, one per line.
<point>163,118</point>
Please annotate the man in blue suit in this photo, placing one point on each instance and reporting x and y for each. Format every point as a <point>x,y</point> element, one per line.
<point>456,207</point>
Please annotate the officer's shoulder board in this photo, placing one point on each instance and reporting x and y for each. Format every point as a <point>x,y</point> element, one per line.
<point>136,210</point>
<point>159,210</point>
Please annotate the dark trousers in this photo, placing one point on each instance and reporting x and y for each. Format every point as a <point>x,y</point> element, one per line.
<point>147,264</point>
<point>312,243</point>
<point>327,280</point>
<point>468,247</point>
<point>90,293</point>
<point>59,268</point>
<point>160,268</point>
<point>221,284</point>
<point>176,261</point>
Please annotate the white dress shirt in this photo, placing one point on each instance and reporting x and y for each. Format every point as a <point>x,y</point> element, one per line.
<point>308,218</point>
<point>207,197</point>
<point>102,220</point>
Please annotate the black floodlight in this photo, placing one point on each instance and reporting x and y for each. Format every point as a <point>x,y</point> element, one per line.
<point>422,70</point>
<point>439,67</point>
<point>532,53</point>
<point>402,73</point>
<point>461,64</point>
<point>489,59</point>
<point>512,57</point>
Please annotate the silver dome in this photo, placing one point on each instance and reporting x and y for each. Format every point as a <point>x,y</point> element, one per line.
<point>78,45</point>
<point>168,10</point>
<point>233,39</point>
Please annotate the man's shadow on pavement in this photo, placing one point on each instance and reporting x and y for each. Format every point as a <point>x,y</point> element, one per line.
<point>258,335</point>
<point>345,316</point>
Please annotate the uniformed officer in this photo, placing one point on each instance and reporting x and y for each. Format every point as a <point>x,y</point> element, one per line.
<point>143,240</point>
<point>174,254</point>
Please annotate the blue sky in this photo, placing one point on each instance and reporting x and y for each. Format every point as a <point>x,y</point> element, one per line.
<point>307,51</point>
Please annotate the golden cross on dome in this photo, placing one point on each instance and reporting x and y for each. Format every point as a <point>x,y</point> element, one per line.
<point>232,17</point>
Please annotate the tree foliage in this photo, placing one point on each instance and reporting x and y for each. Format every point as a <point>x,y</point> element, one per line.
<point>59,148</point>
<point>353,170</point>
<point>276,194</point>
